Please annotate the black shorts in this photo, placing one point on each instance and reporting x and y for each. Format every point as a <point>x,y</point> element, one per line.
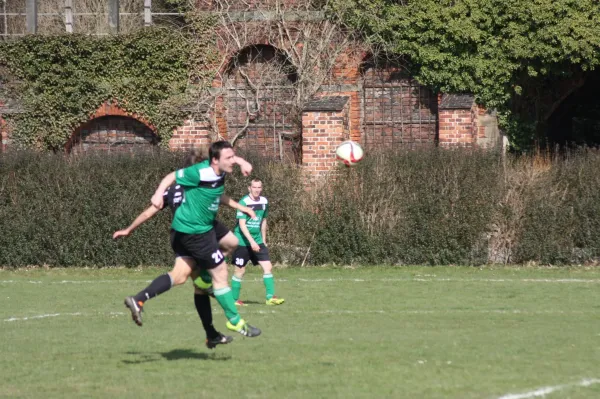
<point>203,248</point>
<point>242,255</point>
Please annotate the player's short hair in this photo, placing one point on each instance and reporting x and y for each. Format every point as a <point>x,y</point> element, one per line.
<point>254,180</point>
<point>214,152</point>
<point>195,156</point>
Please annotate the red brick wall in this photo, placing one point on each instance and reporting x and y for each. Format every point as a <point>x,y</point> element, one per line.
<point>386,107</point>
<point>193,134</point>
<point>111,128</point>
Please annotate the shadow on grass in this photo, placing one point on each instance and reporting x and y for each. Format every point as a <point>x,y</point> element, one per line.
<point>175,354</point>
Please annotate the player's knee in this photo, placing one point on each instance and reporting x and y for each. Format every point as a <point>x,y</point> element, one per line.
<point>267,267</point>
<point>177,277</point>
<point>181,271</point>
<point>239,271</point>
<point>219,275</point>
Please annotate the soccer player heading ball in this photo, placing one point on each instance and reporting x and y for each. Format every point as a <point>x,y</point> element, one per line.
<point>193,235</point>
<point>172,198</point>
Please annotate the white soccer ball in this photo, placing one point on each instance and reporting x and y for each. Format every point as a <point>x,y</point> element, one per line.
<point>349,152</point>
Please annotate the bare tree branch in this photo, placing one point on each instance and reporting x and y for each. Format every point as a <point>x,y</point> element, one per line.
<point>280,48</point>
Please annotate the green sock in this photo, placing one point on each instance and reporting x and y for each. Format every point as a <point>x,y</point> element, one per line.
<point>225,299</point>
<point>269,285</point>
<point>236,287</point>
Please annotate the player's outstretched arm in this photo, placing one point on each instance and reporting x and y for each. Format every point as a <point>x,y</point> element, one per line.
<point>142,217</point>
<point>157,198</point>
<point>226,200</point>
<point>245,166</point>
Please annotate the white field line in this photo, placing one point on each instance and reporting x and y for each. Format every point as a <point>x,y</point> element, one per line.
<point>486,280</point>
<point>334,280</point>
<point>331,311</point>
<point>72,281</point>
<point>42,316</point>
<point>550,389</point>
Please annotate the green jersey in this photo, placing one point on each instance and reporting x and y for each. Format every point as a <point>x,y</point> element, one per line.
<point>261,208</point>
<point>202,194</point>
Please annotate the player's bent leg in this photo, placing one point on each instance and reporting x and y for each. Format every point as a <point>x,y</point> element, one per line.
<point>224,296</point>
<point>181,270</point>
<point>269,282</point>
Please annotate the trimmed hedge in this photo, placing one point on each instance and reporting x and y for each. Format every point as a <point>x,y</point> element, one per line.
<point>58,210</point>
<point>427,206</point>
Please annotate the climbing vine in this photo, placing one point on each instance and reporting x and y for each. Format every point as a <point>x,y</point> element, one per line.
<point>511,54</point>
<point>59,81</point>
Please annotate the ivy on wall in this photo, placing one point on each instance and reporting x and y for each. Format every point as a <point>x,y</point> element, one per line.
<point>61,80</point>
<point>511,54</point>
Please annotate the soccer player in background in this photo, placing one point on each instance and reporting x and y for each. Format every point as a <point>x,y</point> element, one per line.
<point>252,236</point>
<point>193,233</point>
<point>172,198</point>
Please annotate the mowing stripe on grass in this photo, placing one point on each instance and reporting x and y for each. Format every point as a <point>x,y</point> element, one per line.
<point>547,390</point>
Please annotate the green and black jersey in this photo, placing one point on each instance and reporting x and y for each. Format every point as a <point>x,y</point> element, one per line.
<point>203,189</point>
<point>261,208</point>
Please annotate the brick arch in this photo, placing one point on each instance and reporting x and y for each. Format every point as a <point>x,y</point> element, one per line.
<point>397,111</point>
<point>258,84</point>
<point>226,67</point>
<point>131,128</point>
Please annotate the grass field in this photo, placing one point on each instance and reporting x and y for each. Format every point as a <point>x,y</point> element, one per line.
<point>347,333</point>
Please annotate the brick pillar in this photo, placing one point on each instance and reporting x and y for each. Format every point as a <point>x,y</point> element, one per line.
<point>458,125</point>
<point>324,126</point>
